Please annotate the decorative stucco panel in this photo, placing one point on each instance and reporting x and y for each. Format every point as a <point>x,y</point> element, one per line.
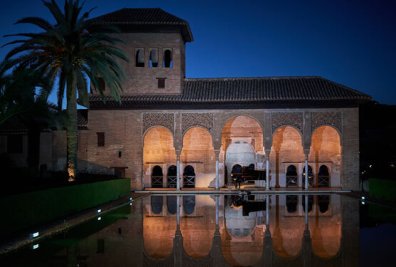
<point>327,118</point>
<point>204,120</point>
<point>158,119</point>
<point>294,119</point>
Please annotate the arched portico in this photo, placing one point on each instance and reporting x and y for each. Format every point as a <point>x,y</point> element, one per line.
<point>198,153</point>
<point>287,149</point>
<point>326,151</point>
<point>158,150</point>
<point>242,143</point>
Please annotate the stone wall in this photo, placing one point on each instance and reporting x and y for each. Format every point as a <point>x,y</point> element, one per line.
<point>144,80</point>
<point>125,130</point>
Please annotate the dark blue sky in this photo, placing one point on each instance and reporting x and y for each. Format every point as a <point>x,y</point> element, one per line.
<point>348,41</point>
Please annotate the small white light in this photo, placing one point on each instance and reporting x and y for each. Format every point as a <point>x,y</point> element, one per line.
<point>35,246</point>
<point>99,218</point>
<point>130,204</point>
<point>36,234</point>
<point>370,165</point>
<point>363,198</point>
<point>363,203</point>
<point>130,199</point>
<point>99,210</point>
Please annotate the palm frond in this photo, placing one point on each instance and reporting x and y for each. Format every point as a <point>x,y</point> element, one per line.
<point>39,22</point>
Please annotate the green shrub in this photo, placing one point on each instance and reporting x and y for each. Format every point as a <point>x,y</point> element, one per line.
<point>382,189</point>
<point>22,211</point>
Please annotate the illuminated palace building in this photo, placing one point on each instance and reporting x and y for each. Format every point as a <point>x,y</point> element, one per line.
<point>206,131</point>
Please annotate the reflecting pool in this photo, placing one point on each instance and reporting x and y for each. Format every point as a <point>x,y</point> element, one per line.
<point>209,230</point>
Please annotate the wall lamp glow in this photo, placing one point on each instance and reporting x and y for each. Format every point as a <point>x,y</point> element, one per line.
<point>35,246</point>
<point>363,198</point>
<point>34,235</point>
<point>99,210</point>
<point>99,218</point>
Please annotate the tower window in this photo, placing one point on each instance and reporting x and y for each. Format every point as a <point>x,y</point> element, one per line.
<point>139,57</point>
<point>168,61</point>
<point>101,138</point>
<point>153,60</point>
<point>161,82</point>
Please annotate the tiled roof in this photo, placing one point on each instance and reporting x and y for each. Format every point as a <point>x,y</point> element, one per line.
<point>130,17</point>
<point>82,118</point>
<point>245,93</point>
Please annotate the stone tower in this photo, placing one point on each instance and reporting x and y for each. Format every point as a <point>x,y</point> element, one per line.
<point>154,42</point>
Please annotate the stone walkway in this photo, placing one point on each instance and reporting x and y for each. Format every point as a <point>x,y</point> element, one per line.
<point>244,188</point>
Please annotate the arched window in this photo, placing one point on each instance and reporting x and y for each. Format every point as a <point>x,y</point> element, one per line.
<point>139,57</point>
<point>189,176</point>
<point>310,176</point>
<point>172,176</point>
<point>157,177</point>
<point>323,176</point>
<point>168,61</point>
<point>291,176</point>
<point>153,59</point>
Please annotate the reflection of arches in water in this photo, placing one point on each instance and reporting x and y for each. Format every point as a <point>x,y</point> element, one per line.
<point>291,203</point>
<point>291,176</point>
<point>323,176</point>
<point>310,202</point>
<point>171,203</point>
<point>323,202</point>
<point>310,176</point>
<point>188,204</point>
<point>156,204</point>
<point>189,176</point>
<point>172,176</point>
<point>326,229</point>
<point>157,177</point>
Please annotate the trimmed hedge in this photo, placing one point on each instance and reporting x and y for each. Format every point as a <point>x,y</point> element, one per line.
<point>382,189</point>
<point>19,212</point>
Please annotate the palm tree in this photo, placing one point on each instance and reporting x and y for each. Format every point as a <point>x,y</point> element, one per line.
<point>73,53</point>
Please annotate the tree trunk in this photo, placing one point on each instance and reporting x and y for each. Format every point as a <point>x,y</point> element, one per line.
<point>71,128</point>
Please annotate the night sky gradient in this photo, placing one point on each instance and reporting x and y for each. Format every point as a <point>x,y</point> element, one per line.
<point>348,41</point>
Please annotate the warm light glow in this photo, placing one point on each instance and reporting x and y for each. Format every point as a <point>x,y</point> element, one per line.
<point>71,172</point>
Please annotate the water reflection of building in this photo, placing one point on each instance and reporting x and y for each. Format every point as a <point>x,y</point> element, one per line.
<point>206,230</point>
<point>277,233</point>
